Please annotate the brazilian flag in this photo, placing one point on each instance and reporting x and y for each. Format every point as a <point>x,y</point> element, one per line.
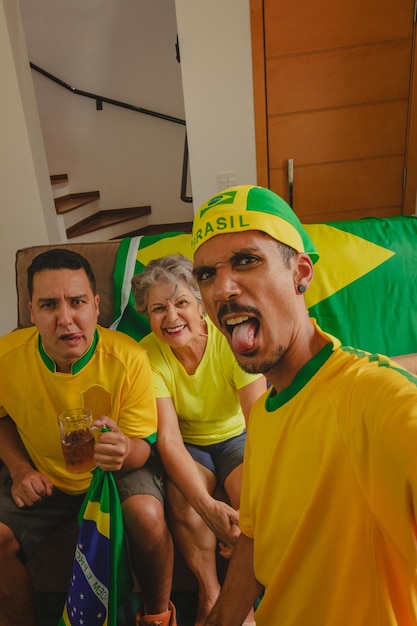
<point>101,577</point>
<point>363,291</point>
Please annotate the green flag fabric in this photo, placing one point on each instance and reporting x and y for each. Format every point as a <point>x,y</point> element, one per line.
<point>132,257</point>
<point>363,291</point>
<point>101,576</point>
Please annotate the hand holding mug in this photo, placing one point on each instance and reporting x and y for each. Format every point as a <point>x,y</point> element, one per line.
<point>77,439</point>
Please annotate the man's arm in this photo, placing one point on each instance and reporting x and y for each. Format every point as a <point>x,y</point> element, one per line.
<point>114,450</point>
<point>409,361</point>
<point>182,470</point>
<point>29,486</point>
<point>250,393</point>
<point>240,588</point>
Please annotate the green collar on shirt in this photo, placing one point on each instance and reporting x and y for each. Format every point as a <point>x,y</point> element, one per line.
<point>274,401</point>
<point>78,365</point>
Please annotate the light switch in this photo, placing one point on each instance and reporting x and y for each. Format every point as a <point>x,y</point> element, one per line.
<point>226,180</point>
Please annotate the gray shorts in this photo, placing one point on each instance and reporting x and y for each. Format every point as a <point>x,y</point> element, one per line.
<point>220,458</point>
<point>32,525</point>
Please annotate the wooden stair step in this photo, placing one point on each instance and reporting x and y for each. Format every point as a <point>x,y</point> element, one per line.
<point>101,219</point>
<point>158,229</point>
<point>72,201</point>
<point>56,179</point>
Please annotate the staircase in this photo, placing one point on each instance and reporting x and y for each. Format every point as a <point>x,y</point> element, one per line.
<point>84,221</point>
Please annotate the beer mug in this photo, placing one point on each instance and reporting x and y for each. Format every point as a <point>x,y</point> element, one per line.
<point>77,439</point>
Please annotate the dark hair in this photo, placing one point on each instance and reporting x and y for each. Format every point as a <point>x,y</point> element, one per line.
<point>287,253</point>
<point>60,259</point>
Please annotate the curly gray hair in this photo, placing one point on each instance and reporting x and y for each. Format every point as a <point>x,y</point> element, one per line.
<point>173,268</point>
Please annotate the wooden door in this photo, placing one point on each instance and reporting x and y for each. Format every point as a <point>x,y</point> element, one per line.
<point>333,93</point>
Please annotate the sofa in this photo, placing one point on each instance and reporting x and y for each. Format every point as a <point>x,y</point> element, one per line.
<point>367,269</point>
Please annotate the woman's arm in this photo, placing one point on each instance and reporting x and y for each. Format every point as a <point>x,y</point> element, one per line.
<point>182,470</point>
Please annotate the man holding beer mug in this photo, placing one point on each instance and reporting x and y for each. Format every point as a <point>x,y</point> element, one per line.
<point>66,361</point>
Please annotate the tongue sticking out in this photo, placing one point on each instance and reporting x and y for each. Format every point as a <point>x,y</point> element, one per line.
<point>243,336</point>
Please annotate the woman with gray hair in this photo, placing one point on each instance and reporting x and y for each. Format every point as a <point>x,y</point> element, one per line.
<point>203,399</point>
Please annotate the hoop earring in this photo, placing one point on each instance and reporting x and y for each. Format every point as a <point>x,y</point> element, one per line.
<point>301,288</point>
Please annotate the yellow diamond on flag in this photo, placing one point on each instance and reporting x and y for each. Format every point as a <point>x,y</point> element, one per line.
<point>344,258</point>
<point>179,244</point>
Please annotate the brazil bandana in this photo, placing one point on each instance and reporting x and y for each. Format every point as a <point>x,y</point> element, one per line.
<point>251,208</point>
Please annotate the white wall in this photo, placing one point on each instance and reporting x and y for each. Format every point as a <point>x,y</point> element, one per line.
<point>101,53</point>
<point>124,50</point>
<point>24,185</point>
<point>216,66</point>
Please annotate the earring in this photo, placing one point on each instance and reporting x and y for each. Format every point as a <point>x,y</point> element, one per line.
<point>301,288</point>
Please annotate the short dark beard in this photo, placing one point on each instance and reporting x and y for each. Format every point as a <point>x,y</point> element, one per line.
<point>261,367</point>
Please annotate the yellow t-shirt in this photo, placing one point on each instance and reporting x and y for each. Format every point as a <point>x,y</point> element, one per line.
<point>113,378</point>
<point>206,402</point>
<point>329,494</point>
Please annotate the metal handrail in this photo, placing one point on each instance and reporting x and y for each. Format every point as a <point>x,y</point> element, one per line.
<point>99,106</point>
